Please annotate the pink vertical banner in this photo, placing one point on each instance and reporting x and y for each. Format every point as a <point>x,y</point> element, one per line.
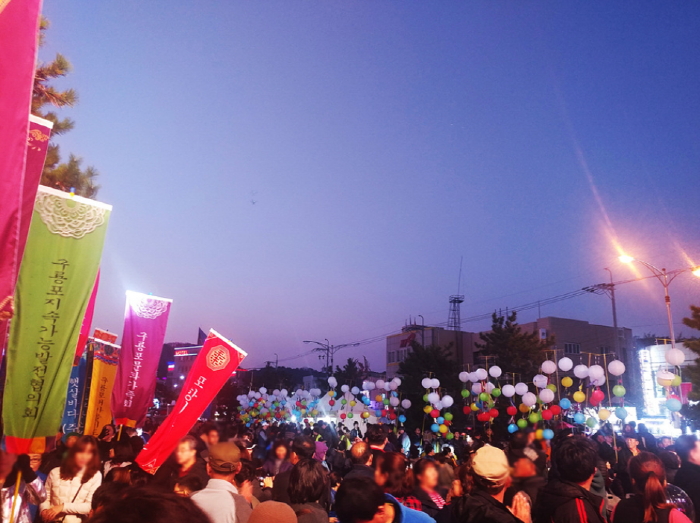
<point>19,23</point>
<point>87,323</point>
<point>145,321</point>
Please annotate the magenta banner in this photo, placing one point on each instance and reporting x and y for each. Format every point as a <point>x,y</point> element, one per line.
<point>145,321</point>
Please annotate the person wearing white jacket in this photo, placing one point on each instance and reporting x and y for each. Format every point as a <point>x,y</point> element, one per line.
<point>70,487</point>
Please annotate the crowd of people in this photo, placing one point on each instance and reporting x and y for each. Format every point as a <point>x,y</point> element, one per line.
<point>323,473</point>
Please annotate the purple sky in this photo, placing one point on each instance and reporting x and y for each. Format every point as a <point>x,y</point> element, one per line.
<point>382,141</point>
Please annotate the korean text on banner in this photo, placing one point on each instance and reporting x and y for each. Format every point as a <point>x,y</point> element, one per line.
<point>104,371</point>
<point>19,23</point>
<point>56,278</point>
<point>214,365</point>
<point>76,389</point>
<point>145,320</point>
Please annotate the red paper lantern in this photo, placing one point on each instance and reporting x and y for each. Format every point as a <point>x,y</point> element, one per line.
<point>435,413</point>
<point>512,411</point>
<point>392,416</point>
<point>331,402</point>
<point>466,410</point>
<point>483,416</point>
<point>343,415</point>
<point>547,415</point>
<point>555,409</point>
<point>493,413</point>
<point>597,396</point>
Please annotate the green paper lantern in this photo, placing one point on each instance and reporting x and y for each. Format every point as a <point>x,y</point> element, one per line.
<point>591,422</point>
<point>465,393</point>
<point>522,423</point>
<point>496,393</point>
<point>619,391</point>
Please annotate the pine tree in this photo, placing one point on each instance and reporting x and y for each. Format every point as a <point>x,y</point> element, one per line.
<point>59,175</point>
<point>692,372</point>
<point>511,349</point>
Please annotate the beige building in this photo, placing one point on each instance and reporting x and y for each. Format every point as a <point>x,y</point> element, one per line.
<point>580,340</point>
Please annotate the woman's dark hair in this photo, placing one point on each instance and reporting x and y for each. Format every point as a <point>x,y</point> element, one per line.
<point>246,473</point>
<point>123,452</point>
<point>648,475</point>
<point>358,499</point>
<point>399,478</point>
<point>118,475</point>
<point>277,444</point>
<point>307,481</point>
<point>191,483</point>
<point>69,469</point>
<point>422,465</point>
<point>103,432</point>
<point>147,505</point>
<point>464,475</point>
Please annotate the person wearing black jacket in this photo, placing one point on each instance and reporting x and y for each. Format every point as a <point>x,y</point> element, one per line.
<point>688,476</point>
<point>183,463</point>
<point>491,477</point>
<point>361,458</point>
<point>569,499</point>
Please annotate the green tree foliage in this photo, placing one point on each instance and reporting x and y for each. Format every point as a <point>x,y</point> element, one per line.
<point>421,362</point>
<point>45,99</point>
<point>352,373</point>
<point>515,351</point>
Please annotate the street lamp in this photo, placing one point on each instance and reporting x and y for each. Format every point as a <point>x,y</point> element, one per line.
<point>665,277</point>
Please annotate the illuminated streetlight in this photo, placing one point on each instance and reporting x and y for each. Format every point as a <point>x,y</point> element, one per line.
<point>665,277</point>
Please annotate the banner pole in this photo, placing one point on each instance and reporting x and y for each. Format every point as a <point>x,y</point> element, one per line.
<point>14,498</point>
<point>119,437</point>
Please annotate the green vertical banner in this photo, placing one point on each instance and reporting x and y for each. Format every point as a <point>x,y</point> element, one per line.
<point>56,277</point>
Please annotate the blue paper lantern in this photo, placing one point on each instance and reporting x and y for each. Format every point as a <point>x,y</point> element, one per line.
<point>547,433</point>
<point>435,427</point>
<point>673,404</point>
<point>565,403</point>
<point>378,413</point>
<point>440,420</point>
<point>402,418</point>
<point>620,412</point>
<point>512,428</point>
<point>579,417</point>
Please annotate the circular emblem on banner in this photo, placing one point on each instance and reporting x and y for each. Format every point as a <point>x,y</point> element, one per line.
<point>68,218</point>
<point>218,358</point>
<point>149,308</point>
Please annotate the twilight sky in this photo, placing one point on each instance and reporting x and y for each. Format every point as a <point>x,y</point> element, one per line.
<point>381,141</point>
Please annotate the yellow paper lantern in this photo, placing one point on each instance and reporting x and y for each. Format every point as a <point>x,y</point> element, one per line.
<point>474,407</point>
<point>443,429</point>
<point>538,433</point>
<point>331,393</point>
<point>353,403</point>
<point>427,409</point>
<point>579,397</point>
<point>567,382</point>
<point>523,408</point>
<point>603,414</point>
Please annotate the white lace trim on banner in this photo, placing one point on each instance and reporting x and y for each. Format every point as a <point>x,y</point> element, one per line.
<point>68,217</point>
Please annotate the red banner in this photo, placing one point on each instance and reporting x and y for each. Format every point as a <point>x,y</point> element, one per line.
<point>19,22</point>
<point>214,365</point>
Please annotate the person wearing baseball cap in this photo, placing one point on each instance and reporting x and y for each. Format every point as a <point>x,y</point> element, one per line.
<point>491,475</point>
<point>219,499</point>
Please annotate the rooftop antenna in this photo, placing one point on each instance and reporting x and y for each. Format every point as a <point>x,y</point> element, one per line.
<point>454,320</point>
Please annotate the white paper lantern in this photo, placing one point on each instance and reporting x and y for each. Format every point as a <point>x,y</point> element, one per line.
<point>393,385</point>
<point>481,374</point>
<point>438,405</point>
<point>406,404</point>
<point>616,368</point>
<point>598,382</point>
<point>393,401</point>
<point>387,385</point>
<point>520,389</point>
<point>477,389</point>
<point>675,357</point>
<point>369,385</point>
<point>508,390</point>
<point>665,378</point>
<point>447,401</point>
<point>565,364</point>
<point>595,372</point>
<point>426,383</point>
<point>464,377</point>
<point>489,387</point>
<point>549,367</point>
<point>355,391</point>
<point>332,382</point>
<point>540,381</point>
<point>473,377</point>
<point>435,383</point>
<point>263,390</point>
<point>397,380</point>
<point>379,384</point>
<point>529,399</point>
<point>345,388</point>
<point>495,371</point>
<point>433,397</point>
<point>581,372</point>
<point>547,395</point>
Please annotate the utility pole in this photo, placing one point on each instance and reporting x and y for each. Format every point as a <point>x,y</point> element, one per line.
<point>330,351</point>
<point>611,287</point>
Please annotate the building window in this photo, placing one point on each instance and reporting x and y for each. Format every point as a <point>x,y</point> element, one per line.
<point>572,348</point>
